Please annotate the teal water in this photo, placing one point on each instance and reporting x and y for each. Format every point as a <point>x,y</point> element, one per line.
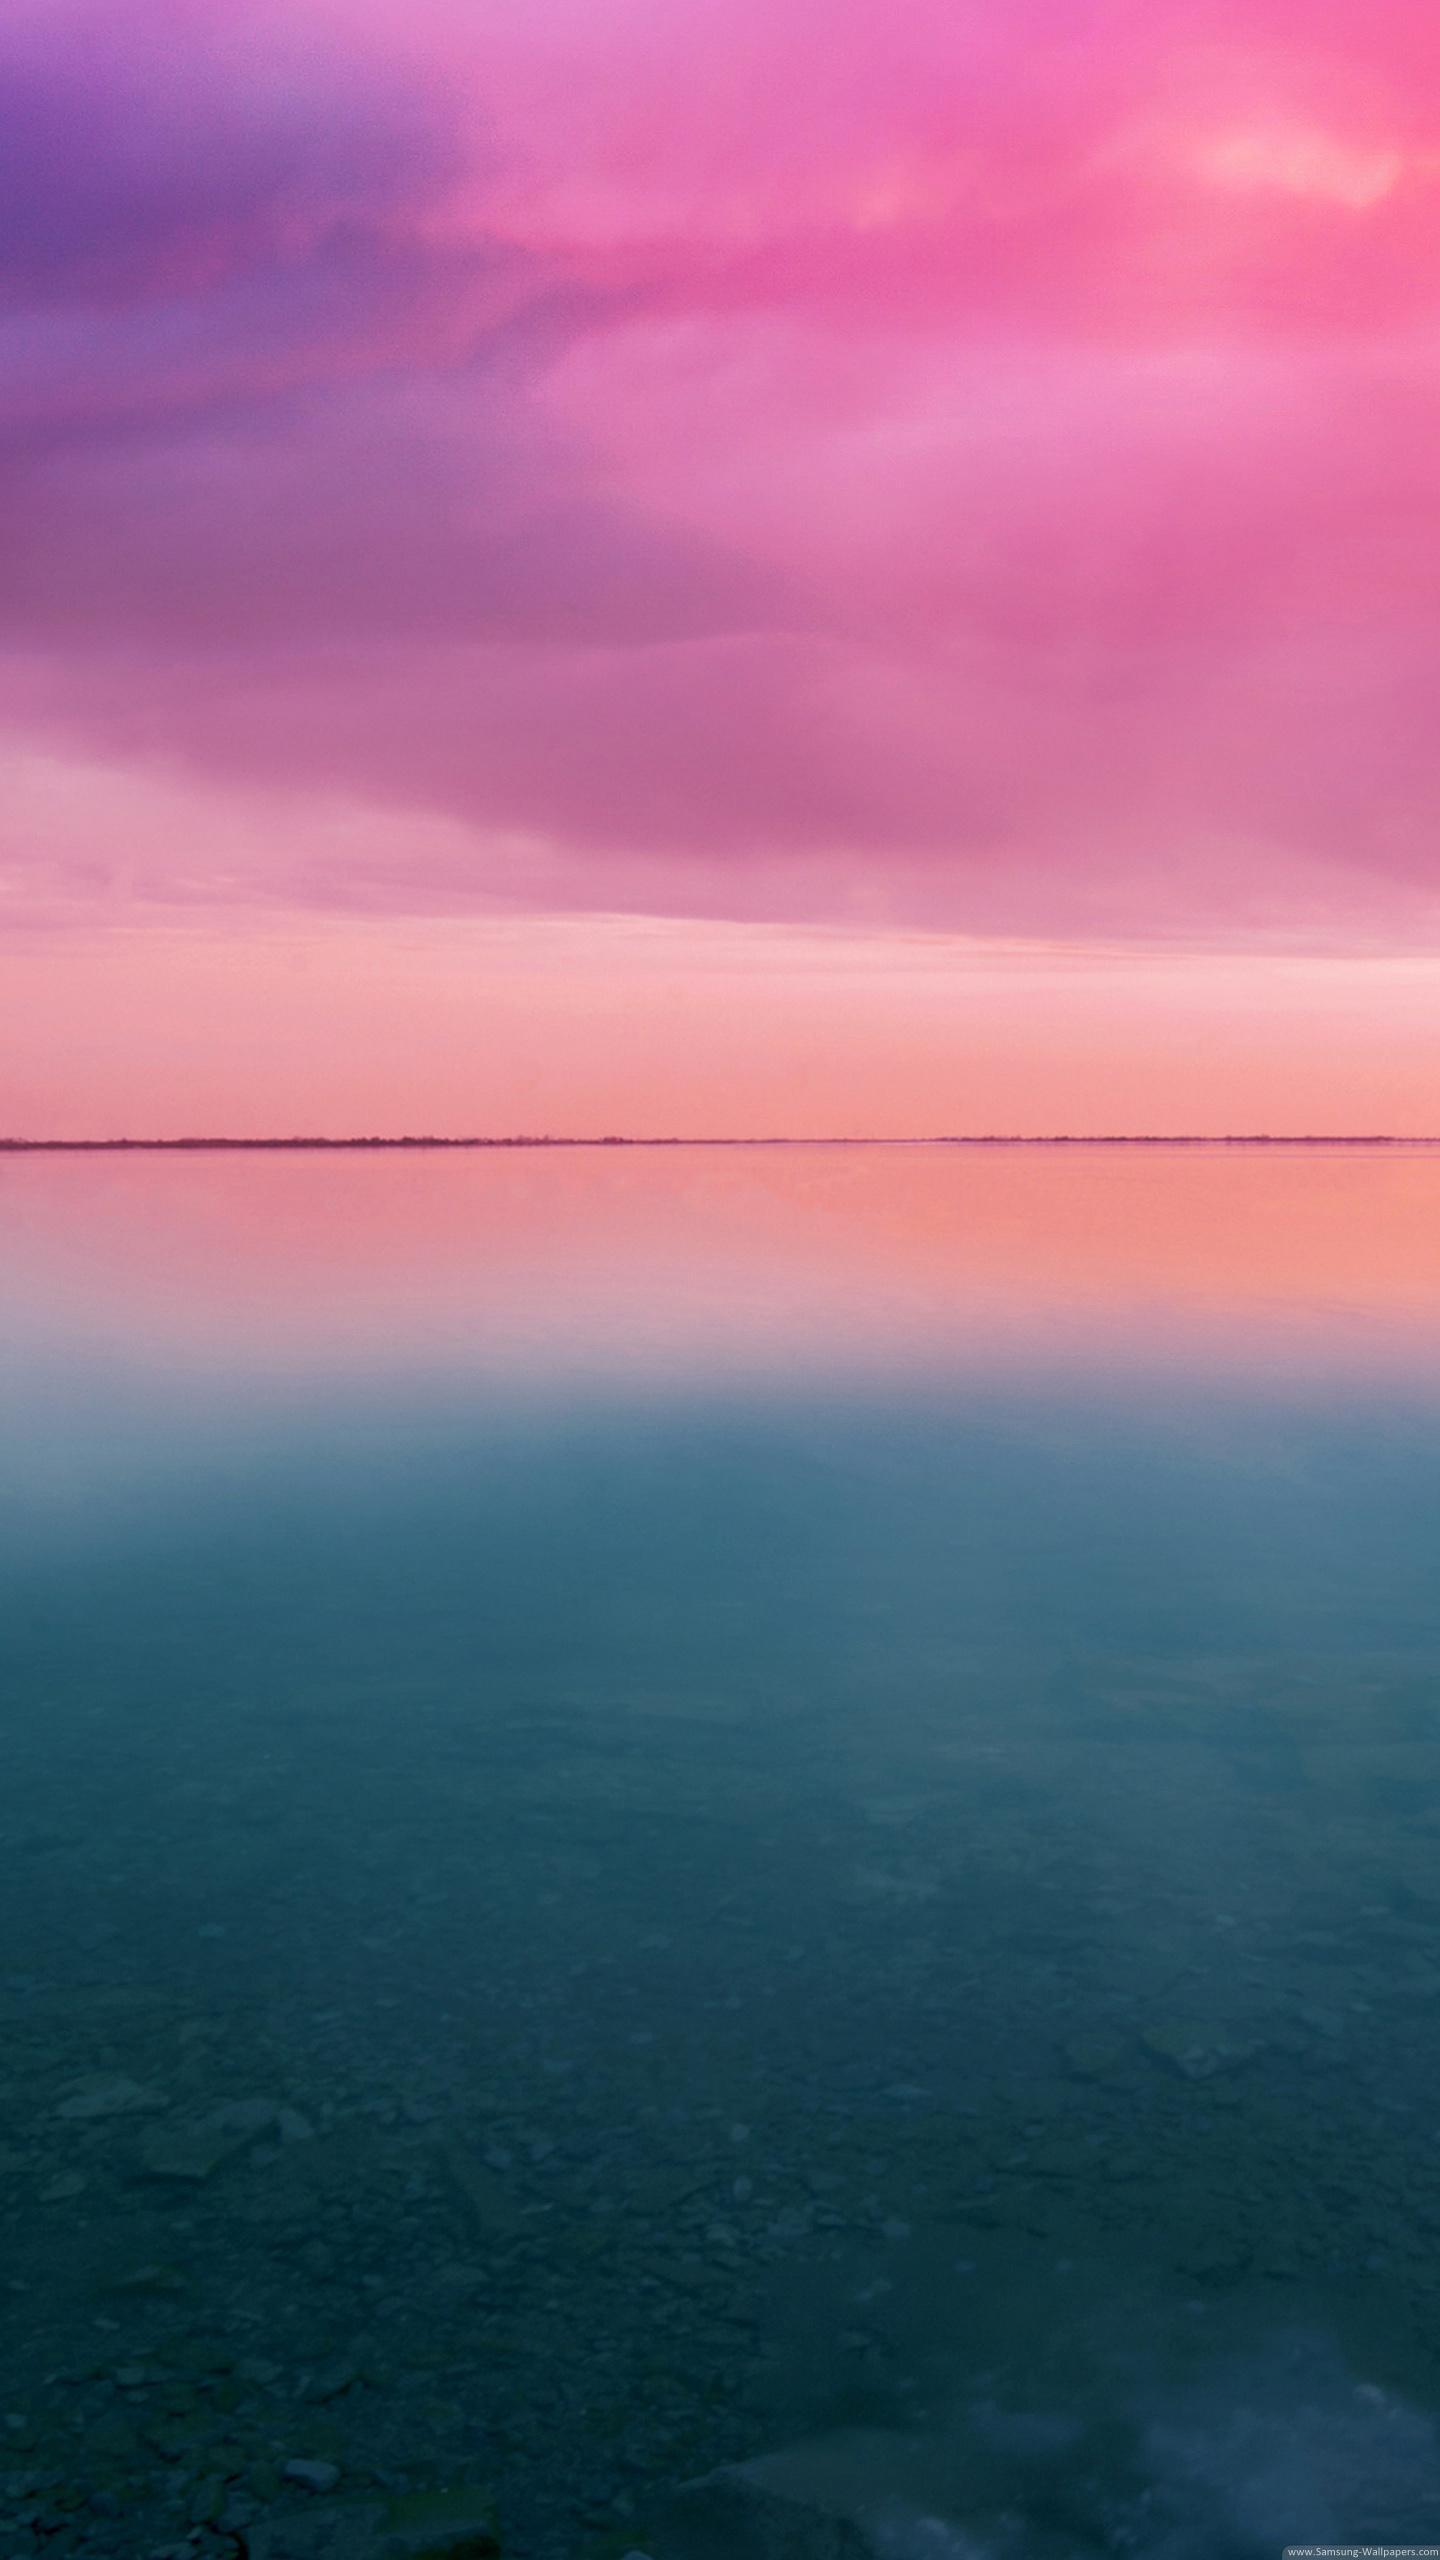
<point>657,1812</point>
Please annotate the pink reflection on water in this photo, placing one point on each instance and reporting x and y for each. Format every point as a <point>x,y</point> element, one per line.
<point>549,1269</point>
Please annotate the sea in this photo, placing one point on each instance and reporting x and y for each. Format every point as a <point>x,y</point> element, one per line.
<point>762,1811</point>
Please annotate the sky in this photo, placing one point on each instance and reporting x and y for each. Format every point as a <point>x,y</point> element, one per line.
<point>719,564</point>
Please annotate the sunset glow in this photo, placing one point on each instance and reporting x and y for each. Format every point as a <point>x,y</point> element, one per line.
<point>702,570</point>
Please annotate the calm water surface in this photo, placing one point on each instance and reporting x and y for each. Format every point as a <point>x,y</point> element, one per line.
<point>659,1807</point>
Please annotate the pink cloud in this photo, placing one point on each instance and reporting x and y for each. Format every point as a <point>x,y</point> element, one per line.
<point>977,467</point>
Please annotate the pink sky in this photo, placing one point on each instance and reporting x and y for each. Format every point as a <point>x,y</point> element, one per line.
<point>696,566</point>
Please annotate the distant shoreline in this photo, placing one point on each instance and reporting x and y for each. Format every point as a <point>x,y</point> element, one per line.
<point>330,1146</point>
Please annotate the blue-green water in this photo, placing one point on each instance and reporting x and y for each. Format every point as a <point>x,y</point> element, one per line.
<point>653,1811</point>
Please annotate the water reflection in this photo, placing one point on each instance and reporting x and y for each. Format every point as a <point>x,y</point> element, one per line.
<point>657,1806</point>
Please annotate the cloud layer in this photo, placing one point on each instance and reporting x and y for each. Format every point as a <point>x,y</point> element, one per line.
<point>969,465</point>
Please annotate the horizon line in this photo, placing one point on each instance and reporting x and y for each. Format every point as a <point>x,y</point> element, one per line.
<point>972,1138</point>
